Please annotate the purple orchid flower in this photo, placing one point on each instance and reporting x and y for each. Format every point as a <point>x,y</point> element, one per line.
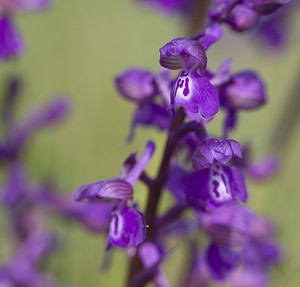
<point>190,90</point>
<point>212,184</point>
<point>127,225</point>
<point>241,91</point>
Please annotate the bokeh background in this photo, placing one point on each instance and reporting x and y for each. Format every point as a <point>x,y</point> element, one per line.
<point>77,48</point>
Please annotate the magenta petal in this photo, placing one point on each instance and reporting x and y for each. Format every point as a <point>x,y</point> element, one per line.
<point>114,188</point>
<point>196,94</point>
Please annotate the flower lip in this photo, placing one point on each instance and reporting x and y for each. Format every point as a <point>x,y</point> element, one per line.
<point>183,53</point>
<point>127,227</point>
<point>195,94</point>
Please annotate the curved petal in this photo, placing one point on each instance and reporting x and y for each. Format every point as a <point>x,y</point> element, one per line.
<point>114,188</point>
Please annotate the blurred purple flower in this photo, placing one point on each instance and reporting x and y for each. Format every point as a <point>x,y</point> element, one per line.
<point>11,42</point>
<point>142,87</point>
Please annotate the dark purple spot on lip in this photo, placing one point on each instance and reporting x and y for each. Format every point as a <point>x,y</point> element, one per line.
<point>180,83</point>
<point>215,188</point>
<point>184,74</point>
<point>215,173</point>
<point>186,90</point>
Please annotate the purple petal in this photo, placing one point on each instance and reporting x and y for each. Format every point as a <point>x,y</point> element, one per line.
<point>139,167</point>
<point>54,112</point>
<point>127,227</point>
<point>196,94</point>
<point>215,151</point>
<point>223,74</point>
<point>242,18</point>
<point>137,85</point>
<point>114,188</point>
<point>197,192</point>
<point>149,254</point>
<point>230,122</point>
<point>94,216</point>
<point>268,6</point>
<point>150,114</point>
<point>263,168</point>
<point>164,83</point>
<point>177,181</point>
<point>246,91</point>
<point>182,53</point>
<point>228,225</point>
<point>212,34</point>
<point>17,186</point>
<point>237,182</point>
<point>221,261</point>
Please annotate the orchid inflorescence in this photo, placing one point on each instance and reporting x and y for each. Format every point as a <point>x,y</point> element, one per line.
<point>208,180</point>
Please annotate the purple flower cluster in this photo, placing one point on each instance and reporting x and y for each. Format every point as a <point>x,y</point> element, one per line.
<point>11,42</point>
<point>208,180</point>
<point>22,198</point>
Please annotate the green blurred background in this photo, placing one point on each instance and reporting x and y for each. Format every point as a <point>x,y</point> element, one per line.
<point>77,48</point>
